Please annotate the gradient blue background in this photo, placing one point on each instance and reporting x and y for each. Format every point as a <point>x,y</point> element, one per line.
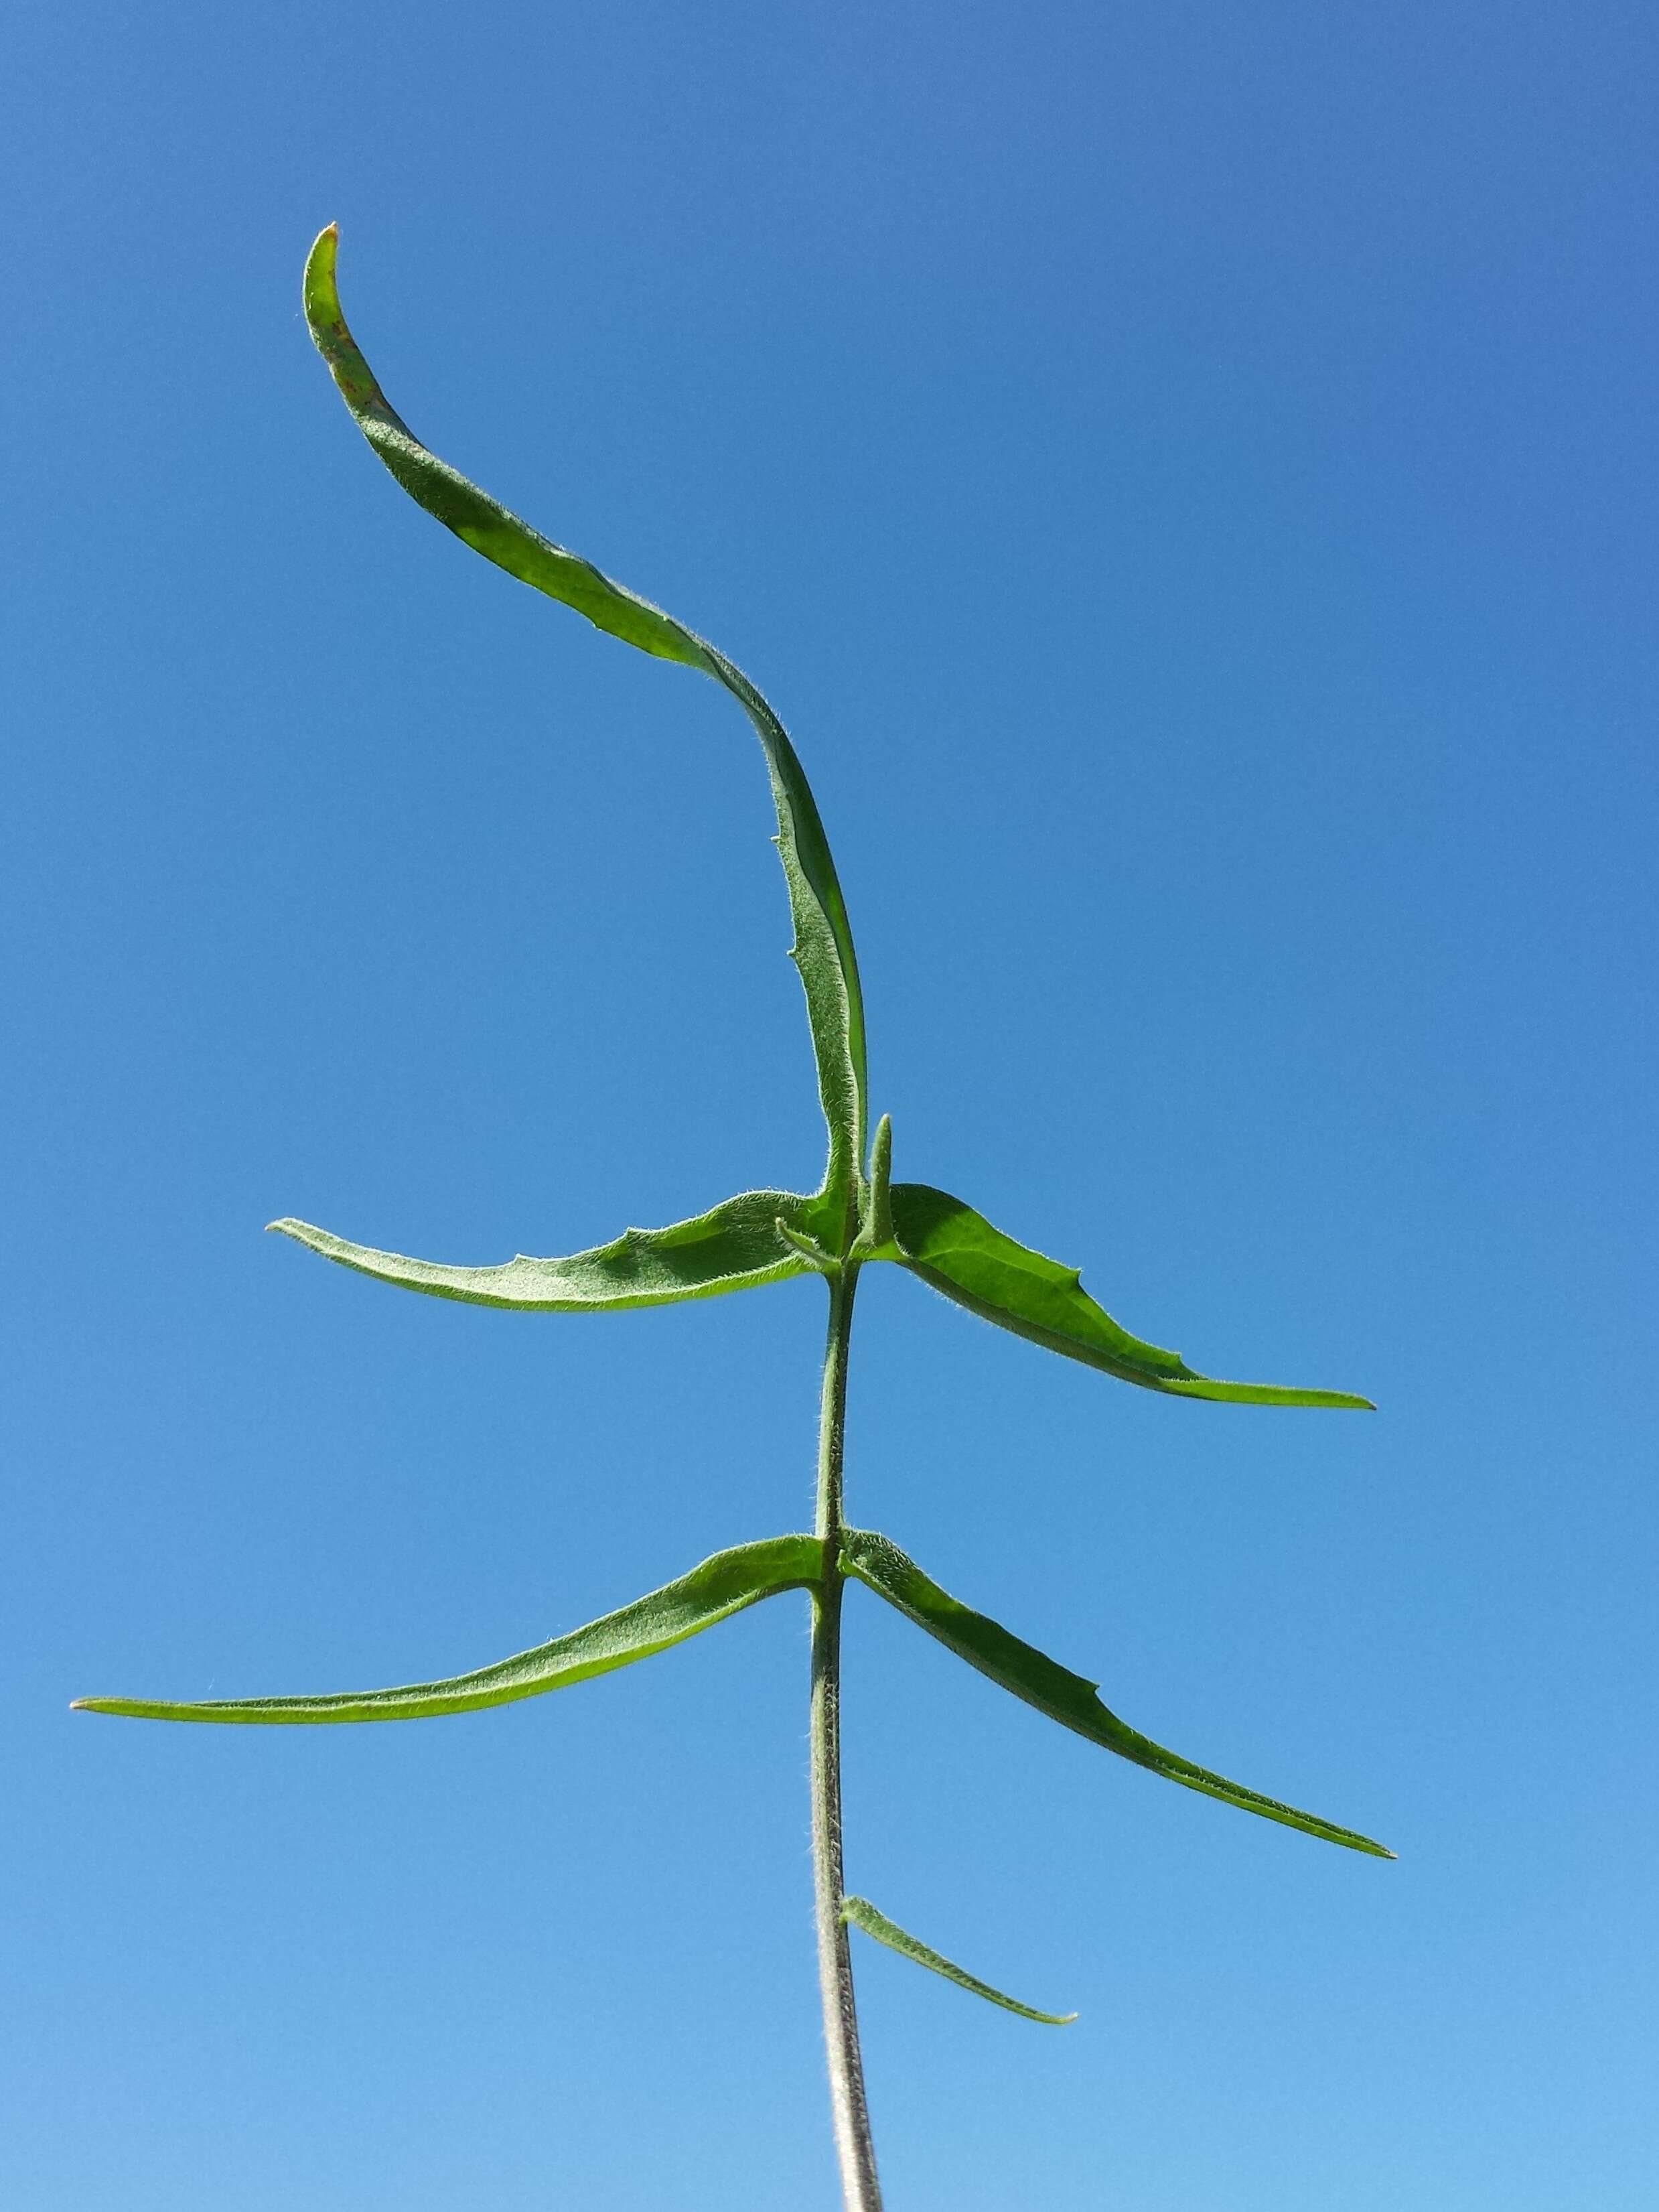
<point>1187,475</point>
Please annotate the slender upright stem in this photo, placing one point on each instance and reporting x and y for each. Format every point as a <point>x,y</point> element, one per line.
<point>861,2191</point>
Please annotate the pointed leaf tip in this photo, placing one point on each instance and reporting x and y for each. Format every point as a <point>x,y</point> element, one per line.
<point>859,1912</point>
<point>957,1252</point>
<point>1069,1698</point>
<point>712,1592</point>
<point>735,1246</point>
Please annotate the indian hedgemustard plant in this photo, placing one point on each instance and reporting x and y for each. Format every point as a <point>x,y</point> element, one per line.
<point>857,1217</point>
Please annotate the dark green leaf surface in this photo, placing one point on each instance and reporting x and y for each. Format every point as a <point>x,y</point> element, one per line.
<point>859,1912</point>
<point>965,1259</point>
<point>735,1246</point>
<point>1052,1688</point>
<point>721,1586</point>
<point>823,949</point>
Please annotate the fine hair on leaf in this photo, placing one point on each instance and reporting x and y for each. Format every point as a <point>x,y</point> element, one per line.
<point>857,1216</point>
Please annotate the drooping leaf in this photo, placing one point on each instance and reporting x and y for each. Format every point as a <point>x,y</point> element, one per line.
<point>961,1255</point>
<point>859,1912</point>
<point>721,1586</point>
<point>823,949</point>
<point>1054,1689</point>
<point>735,1246</point>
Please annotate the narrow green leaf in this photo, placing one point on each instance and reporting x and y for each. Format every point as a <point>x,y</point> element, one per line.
<point>961,1256</point>
<point>859,1912</point>
<point>1052,1688</point>
<point>721,1586</point>
<point>735,1246</point>
<point>823,949</point>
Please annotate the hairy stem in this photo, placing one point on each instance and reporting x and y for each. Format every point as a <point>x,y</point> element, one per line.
<point>861,2191</point>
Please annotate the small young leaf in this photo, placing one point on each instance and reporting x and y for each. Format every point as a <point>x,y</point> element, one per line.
<point>809,1249</point>
<point>721,1586</point>
<point>859,1912</point>
<point>823,949</point>
<point>963,1257</point>
<point>735,1246</point>
<point>1052,1688</point>
<point>875,1237</point>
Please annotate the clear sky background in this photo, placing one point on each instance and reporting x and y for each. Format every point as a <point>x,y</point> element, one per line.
<point>1187,475</point>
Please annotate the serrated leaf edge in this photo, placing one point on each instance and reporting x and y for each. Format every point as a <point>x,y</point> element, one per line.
<point>1148,1366</point>
<point>487,1285</point>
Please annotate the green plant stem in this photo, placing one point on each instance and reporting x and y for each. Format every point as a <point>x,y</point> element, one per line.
<point>861,2191</point>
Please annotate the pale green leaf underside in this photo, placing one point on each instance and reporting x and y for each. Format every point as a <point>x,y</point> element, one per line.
<point>721,1586</point>
<point>823,949</point>
<point>735,1246</point>
<point>1052,1688</point>
<point>961,1256</point>
<point>859,1912</point>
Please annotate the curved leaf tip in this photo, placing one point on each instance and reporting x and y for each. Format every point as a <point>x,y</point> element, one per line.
<point>822,950</point>
<point>319,294</point>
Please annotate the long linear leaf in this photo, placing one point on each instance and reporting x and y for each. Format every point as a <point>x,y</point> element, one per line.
<point>1054,1689</point>
<point>735,1246</point>
<point>823,949</point>
<point>859,1912</point>
<point>961,1256</point>
<point>721,1586</point>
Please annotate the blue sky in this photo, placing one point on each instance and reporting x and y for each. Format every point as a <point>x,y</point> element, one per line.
<point>1186,477</point>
